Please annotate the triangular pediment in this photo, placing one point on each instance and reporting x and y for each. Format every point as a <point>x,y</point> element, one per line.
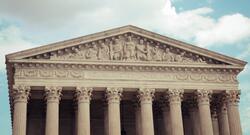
<point>127,43</point>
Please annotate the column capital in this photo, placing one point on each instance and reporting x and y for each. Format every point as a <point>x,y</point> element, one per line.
<point>83,94</point>
<point>214,108</point>
<point>203,96</point>
<point>222,104</point>
<point>20,93</point>
<point>232,97</point>
<point>146,95</point>
<point>53,93</point>
<point>113,94</point>
<point>174,95</point>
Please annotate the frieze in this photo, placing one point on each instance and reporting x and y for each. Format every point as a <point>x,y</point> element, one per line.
<point>169,75</point>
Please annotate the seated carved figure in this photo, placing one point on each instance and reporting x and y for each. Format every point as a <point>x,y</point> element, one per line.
<point>168,56</point>
<point>79,54</point>
<point>92,53</point>
<point>157,54</point>
<point>179,58</point>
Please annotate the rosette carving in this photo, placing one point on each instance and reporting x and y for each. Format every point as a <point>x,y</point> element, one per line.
<point>53,93</point>
<point>232,97</point>
<point>20,93</point>
<point>146,95</point>
<point>174,95</point>
<point>83,94</point>
<point>203,96</point>
<point>113,95</point>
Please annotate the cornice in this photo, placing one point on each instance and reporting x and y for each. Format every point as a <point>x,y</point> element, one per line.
<point>126,66</point>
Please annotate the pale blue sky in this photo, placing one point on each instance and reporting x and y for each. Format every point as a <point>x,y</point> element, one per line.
<point>219,25</point>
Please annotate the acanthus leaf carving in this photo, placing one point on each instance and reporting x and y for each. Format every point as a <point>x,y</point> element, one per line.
<point>174,95</point>
<point>203,96</point>
<point>232,97</point>
<point>83,94</point>
<point>146,95</point>
<point>113,94</point>
<point>53,93</point>
<point>20,93</point>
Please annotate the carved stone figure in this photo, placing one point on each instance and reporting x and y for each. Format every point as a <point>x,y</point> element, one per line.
<point>117,50</point>
<point>199,59</point>
<point>92,52</point>
<point>168,56</point>
<point>129,50</point>
<point>156,53</point>
<point>103,52</point>
<point>179,58</point>
<point>141,51</point>
<point>183,58</point>
<point>79,54</point>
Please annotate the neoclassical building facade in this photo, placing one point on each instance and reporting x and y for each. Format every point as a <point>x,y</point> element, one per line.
<point>124,81</point>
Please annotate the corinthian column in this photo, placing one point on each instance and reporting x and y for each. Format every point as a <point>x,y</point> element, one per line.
<point>20,96</point>
<point>166,118</point>
<point>52,96</point>
<point>83,96</point>
<point>137,118</point>
<point>215,122</point>
<point>232,99</point>
<point>194,115</point>
<point>203,99</point>
<point>223,117</point>
<point>174,97</point>
<point>113,98</point>
<point>147,123</point>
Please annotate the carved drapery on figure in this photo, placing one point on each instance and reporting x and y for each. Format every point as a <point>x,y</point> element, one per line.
<point>128,48</point>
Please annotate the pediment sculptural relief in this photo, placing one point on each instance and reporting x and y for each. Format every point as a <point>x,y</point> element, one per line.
<point>127,48</point>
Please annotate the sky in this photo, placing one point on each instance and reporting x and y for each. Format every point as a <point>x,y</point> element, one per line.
<point>218,25</point>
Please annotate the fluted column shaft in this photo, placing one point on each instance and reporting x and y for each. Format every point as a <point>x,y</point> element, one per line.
<point>167,119</point>
<point>114,121</point>
<point>76,118</point>
<point>223,119</point>
<point>20,96</point>
<point>83,96</point>
<point>147,122</point>
<point>203,99</point>
<point>106,119</point>
<point>138,119</point>
<point>194,115</point>
<point>52,96</point>
<point>174,97</point>
<point>215,123</point>
<point>233,112</point>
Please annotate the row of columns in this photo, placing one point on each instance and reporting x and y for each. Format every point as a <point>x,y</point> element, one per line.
<point>228,119</point>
